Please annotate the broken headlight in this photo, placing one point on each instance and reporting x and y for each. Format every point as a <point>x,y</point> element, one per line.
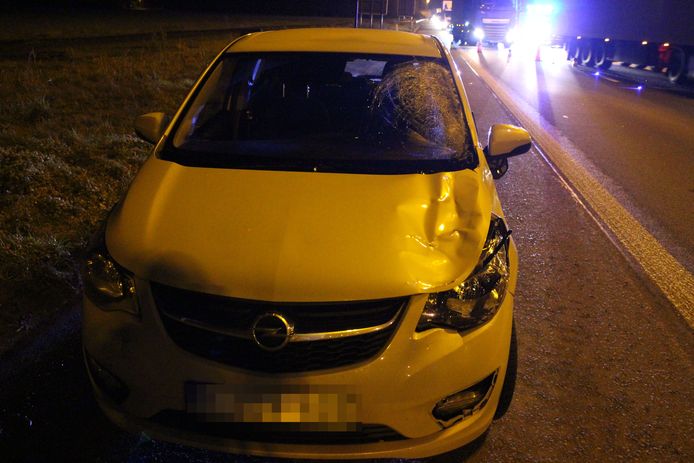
<point>476,300</point>
<point>106,283</point>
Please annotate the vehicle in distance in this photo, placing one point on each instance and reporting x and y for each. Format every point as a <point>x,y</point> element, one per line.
<point>313,263</point>
<point>658,35</point>
<point>489,21</point>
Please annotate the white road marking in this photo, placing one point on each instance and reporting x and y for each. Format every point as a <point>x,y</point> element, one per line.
<point>676,283</point>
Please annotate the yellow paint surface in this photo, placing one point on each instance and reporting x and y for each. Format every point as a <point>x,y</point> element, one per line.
<point>339,41</point>
<point>300,236</point>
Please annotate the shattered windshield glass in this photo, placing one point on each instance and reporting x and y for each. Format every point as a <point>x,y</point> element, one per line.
<point>325,111</point>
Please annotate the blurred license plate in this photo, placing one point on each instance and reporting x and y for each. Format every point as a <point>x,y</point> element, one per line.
<point>272,404</point>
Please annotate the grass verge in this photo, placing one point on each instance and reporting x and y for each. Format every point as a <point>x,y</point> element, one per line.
<point>67,152</point>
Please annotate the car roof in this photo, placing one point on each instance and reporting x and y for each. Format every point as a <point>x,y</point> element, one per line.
<point>339,40</point>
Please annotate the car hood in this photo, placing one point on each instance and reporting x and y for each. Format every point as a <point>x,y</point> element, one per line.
<point>300,236</point>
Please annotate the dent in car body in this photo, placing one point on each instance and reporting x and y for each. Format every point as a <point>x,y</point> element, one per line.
<point>300,236</point>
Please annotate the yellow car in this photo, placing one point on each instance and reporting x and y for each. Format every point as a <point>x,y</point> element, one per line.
<point>313,262</point>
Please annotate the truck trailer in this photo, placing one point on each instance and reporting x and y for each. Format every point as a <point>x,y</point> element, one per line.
<point>654,34</point>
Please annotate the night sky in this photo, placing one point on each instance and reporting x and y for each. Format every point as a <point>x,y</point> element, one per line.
<point>282,7</point>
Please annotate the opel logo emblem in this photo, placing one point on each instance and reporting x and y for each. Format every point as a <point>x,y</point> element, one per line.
<point>271,331</point>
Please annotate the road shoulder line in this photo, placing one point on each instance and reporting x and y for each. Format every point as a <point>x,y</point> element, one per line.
<point>675,282</point>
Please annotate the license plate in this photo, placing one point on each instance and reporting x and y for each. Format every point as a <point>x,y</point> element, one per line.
<point>317,407</point>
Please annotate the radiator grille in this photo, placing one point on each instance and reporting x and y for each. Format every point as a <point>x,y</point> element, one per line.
<point>186,313</point>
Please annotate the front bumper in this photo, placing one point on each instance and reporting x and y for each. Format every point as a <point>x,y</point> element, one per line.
<point>398,388</point>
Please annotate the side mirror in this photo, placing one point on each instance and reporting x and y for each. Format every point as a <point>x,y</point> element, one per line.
<point>151,126</point>
<point>505,141</point>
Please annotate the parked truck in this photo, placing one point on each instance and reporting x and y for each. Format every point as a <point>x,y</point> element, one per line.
<point>657,34</point>
<point>486,21</point>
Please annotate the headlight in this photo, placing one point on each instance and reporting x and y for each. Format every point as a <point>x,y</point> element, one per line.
<point>436,22</point>
<point>511,35</point>
<point>478,33</point>
<point>477,299</point>
<point>106,283</point>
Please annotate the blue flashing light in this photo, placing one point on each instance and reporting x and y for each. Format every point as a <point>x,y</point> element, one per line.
<point>542,8</point>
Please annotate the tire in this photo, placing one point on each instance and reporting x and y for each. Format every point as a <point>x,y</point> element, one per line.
<point>509,385</point>
<point>677,66</point>
<point>587,55</point>
<point>601,56</point>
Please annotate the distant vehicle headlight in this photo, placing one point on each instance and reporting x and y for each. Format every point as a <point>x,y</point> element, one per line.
<point>477,299</point>
<point>511,35</point>
<point>106,283</point>
<point>437,22</point>
<point>478,33</point>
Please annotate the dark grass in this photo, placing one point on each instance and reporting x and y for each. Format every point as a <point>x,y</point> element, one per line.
<point>67,153</point>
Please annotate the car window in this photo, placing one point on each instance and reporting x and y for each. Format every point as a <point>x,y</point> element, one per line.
<point>325,111</point>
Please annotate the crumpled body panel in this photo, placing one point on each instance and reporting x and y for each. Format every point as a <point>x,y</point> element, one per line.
<point>300,236</point>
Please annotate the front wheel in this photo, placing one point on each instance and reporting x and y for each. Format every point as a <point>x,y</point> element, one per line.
<point>573,52</point>
<point>509,385</point>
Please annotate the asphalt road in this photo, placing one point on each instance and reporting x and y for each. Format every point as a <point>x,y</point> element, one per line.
<point>605,363</point>
<point>639,142</point>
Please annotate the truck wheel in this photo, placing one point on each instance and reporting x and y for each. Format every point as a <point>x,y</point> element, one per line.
<point>601,59</point>
<point>677,66</point>
<point>509,385</point>
<point>587,55</point>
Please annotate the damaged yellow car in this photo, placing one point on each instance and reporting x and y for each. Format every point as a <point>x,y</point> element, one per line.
<point>313,262</point>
